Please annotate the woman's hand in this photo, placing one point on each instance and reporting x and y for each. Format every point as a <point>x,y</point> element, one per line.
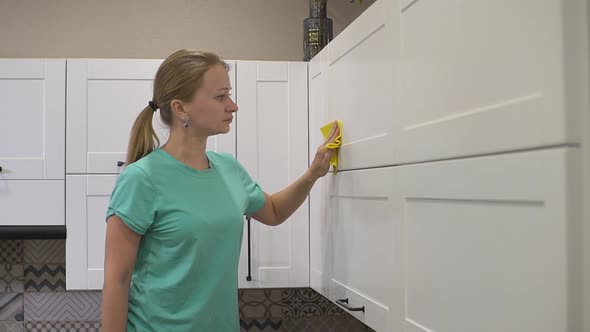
<point>280,206</point>
<point>321,162</point>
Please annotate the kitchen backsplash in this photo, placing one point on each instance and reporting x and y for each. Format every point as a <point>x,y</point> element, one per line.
<point>33,298</point>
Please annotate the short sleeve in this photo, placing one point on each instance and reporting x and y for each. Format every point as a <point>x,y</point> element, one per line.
<point>254,193</point>
<point>133,199</point>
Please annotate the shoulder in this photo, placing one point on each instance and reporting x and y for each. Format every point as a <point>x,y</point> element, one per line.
<point>134,175</point>
<point>146,166</point>
<point>138,174</point>
<point>133,171</point>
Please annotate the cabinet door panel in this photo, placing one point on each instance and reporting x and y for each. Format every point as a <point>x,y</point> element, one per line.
<point>104,99</point>
<point>486,243</point>
<point>272,146</point>
<point>365,220</point>
<point>362,91</point>
<point>87,201</point>
<point>471,85</point>
<point>33,119</point>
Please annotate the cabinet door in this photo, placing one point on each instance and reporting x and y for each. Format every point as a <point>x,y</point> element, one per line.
<point>479,78</point>
<point>104,99</point>
<point>87,200</point>
<point>365,219</point>
<point>32,144</point>
<point>318,226</point>
<point>362,93</point>
<point>486,244</point>
<point>272,146</point>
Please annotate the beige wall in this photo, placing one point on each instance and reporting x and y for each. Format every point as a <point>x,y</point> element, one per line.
<point>237,29</point>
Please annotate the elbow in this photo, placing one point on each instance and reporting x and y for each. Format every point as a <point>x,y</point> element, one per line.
<point>276,217</point>
<point>276,222</point>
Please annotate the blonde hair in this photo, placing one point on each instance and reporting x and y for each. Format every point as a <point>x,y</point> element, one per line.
<point>178,77</point>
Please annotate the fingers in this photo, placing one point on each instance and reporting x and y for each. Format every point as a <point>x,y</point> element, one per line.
<point>333,133</point>
<point>323,153</point>
<point>328,155</point>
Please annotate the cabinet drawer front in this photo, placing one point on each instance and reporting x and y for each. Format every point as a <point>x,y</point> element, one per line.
<point>32,203</point>
<point>485,243</point>
<point>374,314</point>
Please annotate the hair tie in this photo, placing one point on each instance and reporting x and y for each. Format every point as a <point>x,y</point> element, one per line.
<point>153,105</point>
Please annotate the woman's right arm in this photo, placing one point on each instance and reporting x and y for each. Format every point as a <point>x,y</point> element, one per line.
<point>121,249</point>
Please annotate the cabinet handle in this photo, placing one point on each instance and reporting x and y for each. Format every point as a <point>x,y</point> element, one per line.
<point>0,169</point>
<point>120,163</point>
<point>249,276</point>
<point>344,303</point>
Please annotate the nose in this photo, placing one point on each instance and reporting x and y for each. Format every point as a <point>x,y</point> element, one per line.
<point>232,107</point>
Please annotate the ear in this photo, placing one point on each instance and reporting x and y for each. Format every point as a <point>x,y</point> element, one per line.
<point>177,108</point>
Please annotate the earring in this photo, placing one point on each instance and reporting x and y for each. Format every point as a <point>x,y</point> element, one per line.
<point>185,123</point>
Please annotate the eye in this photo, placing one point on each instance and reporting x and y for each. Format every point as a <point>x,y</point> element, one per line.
<point>221,97</point>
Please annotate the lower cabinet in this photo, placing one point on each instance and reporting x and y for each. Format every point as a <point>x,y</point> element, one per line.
<point>32,202</point>
<point>364,220</point>
<point>87,199</point>
<point>272,146</point>
<point>492,243</point>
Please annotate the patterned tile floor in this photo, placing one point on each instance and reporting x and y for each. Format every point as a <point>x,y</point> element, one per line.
<point>33,298</point>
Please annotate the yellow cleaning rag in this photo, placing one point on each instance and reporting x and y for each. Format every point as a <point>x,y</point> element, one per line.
<point>326,130</point>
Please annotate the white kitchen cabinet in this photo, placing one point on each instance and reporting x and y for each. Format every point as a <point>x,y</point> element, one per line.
<point>33,119</point>
<point>32,203</point>
<point>272,146</point>
<point>478,77</point>
<point>104,99</point>
<point>493,243</point>
<point>364,223</point>
<point>319,241</point>
<point>362,69</point>
<point>87,200</point>
<point>32,144</point>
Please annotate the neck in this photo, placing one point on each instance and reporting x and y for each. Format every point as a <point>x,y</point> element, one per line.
<point>188,148</point>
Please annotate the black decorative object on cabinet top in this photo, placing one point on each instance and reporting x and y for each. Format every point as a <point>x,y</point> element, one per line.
<point>317,29</point>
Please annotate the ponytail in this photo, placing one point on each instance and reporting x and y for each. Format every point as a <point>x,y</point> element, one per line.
<point>143,139</point>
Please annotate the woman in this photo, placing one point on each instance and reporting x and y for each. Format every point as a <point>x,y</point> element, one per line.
<point>175,219</point>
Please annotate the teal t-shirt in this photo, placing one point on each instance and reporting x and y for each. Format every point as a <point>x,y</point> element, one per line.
<point>185,276</point>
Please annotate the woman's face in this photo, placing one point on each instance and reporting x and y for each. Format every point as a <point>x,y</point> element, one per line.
<point>212,109</point>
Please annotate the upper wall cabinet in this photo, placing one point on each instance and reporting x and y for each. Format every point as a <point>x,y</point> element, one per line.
<point>32,124</point>
<point>360,85</point>
<point>272,146</point>
<point>104,99</point>
<point>479,77</point>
